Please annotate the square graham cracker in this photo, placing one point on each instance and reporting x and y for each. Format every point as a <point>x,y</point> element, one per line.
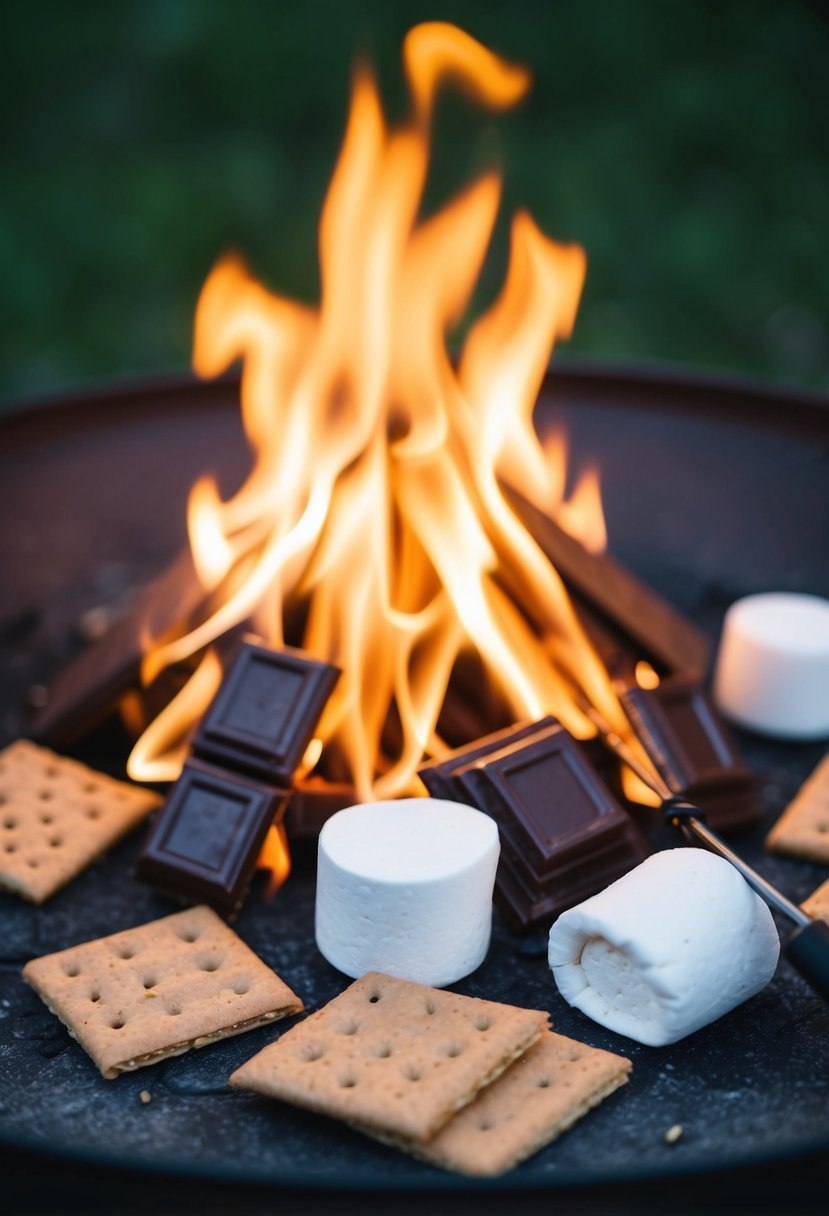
<point>803,828</point>
<point>159,989</point>
<point>552,1086</point>
<point>57,816</point>
<point>817,904</point>
<point>393,1057</point>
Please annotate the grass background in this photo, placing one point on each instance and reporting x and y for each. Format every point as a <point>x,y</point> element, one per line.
<point>683,144</point>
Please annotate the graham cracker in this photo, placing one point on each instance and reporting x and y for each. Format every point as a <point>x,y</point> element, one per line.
<point>551,1087</point>
<point>56,816</point>
<point>817,904</point>
<point>393,1057</point>
<point>803,828</point>
<point>159,989</point>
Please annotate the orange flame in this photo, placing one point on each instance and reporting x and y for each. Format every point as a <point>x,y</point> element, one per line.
<point>275,857</point>
<point>374,513</point>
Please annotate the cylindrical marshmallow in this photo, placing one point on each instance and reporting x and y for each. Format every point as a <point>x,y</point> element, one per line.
<point>772,671</point>
<point>669,947</point>
<point>405,887</point>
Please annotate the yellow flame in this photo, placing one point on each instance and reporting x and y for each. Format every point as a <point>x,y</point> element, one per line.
<point>375,515</point>
<point>160,752</point>
<point>645,675</point>
<point>275,857</point>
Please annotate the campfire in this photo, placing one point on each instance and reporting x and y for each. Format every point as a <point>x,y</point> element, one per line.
<point>402,520</point>
<point>373,530</point>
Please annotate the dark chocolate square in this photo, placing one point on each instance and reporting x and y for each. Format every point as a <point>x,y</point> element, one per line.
<point>548,801</point>
<point>263,716</point>
<point>205,842</point>
<point>439,778</point>
<point>692,749</point>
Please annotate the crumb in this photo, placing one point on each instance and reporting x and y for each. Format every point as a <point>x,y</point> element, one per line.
<point>674,1133</point>
<point>145,1096</point>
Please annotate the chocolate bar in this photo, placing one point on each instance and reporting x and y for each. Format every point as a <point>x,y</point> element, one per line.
<point>263,716</point>
<point>205,842</point>
<point>563,834</point>
<point>312,802</point>
<point>692,750</point>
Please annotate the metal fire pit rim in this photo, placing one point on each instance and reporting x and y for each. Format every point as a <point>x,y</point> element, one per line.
<point>648,383</point>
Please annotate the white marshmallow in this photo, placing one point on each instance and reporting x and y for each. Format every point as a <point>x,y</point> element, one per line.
<point>772,671</point>
<point>405,887</point>
<point>666,949</point>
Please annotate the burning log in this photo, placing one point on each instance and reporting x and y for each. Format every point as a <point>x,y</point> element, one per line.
<point>87,691</point>
<point>623,615</point>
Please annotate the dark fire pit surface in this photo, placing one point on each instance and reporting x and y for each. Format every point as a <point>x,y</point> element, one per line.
<point>712,491</point>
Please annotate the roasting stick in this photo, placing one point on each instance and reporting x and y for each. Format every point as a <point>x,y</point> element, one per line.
<point>807,949</point>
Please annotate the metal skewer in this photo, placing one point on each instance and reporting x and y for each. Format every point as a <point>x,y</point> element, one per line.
<point>808,947</point>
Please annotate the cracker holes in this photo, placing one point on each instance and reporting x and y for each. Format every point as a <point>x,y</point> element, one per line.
<point>485,1125</point>
<point>375,998</point>
<point>543,1083</point>
<point>90,787</point>
<point>311,1052</point>
<point>10,847</point>
<point>150,981</point>
<point>71,969</point>
<point>45,795</point>
<point>55,842</point>
<point>93,812</point>
<point>211,963</point>
<point>188,935</point>
<point>173,1010</point>
<point>349,1027</point>
<point>33,863</point>
<point>51,770</point>
<point>348,1082</point>
<point>383,1051</point>
<point>124,952</point>
<point>483,1022</point>
<point>412,1074</point>
<point>46,818</point>
<point>94,996</point>
<point>823,828</point>
<point>431,1008</point>
<point>241,987</point>
<point>9,821</point>
<point>117,1024</point>
<point>454,1050</point>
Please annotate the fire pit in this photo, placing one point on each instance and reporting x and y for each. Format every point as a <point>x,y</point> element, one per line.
<point>402,524</point>
<point>745,1088</point>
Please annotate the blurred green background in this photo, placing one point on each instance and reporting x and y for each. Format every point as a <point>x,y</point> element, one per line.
<point>683,144</point>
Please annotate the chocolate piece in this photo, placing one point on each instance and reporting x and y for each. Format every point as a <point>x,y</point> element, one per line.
<point>204,844</point>
<point>526,904</point>
<point>439,778</point>
<point>563,835</point>
<point>692,750</point>
<point>548,801</point>
<point>314,801</point>
<point>629,607</point>
<point>264,714</point>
